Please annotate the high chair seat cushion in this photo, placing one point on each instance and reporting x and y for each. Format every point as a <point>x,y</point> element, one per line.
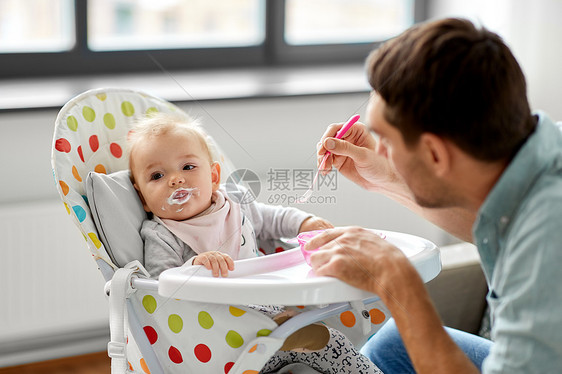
<point>118,214</point>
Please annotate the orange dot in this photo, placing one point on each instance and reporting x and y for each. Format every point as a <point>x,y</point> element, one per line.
<point>143,366</point>
<point>75,174</point>
<point>64,188</point>
<point>130,366</point>
<point>250,372</point>
<point>253,349</point>
<point>377,316</point>
<point>300,306</point>
<point>348,319</point>
<point>100,169</point>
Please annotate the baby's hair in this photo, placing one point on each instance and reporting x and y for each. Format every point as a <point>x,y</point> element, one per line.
<point>156,124</point>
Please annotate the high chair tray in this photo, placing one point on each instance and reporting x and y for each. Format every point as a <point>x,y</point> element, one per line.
<point>285,278</point>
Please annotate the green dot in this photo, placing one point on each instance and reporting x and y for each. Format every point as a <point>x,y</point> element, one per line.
<point>149,303</point>
<point>72,123</point>
<point>234,339</point>
<point>205,320</point>
<point>89,114</point>
<point>151,110</point>
<point>127,108</point>
<point>175,323</point>
<point>109,121</point>
<point>263,332</point>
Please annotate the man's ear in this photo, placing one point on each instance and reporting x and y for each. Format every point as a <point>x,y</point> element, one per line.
<point>435,153</point>
<point>215,175</point>
<point>141,198</point>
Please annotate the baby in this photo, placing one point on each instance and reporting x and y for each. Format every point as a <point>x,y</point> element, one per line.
<point>195,222</point>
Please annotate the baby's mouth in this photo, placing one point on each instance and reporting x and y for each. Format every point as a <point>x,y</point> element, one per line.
<point>181,196</point>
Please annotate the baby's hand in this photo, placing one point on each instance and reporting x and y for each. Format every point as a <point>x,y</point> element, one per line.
<point>218,262</point>
<point>315,223</point>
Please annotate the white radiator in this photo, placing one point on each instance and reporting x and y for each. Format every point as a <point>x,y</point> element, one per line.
<point>52,292</point>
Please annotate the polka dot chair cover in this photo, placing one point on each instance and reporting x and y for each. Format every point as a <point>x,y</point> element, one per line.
<point>90,134</point>
<point>187,337</point>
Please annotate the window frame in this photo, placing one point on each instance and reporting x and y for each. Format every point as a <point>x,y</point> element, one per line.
<point>272,52</point>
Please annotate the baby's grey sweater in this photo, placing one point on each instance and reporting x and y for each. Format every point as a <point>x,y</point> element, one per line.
<point>163,250</point>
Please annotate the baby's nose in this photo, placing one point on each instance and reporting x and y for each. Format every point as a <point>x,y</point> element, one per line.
<point>176,180</point>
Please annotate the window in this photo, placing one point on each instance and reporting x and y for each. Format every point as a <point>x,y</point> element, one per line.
<point>63,37</point>
<point>36,26</point>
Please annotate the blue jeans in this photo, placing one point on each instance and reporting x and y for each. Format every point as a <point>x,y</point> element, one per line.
<point>387,351</point>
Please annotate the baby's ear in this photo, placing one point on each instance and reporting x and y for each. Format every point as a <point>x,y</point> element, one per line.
<point>141,198</point>
<point>216,175</point>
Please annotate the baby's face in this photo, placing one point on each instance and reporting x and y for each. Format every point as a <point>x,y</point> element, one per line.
<point>174,175</point>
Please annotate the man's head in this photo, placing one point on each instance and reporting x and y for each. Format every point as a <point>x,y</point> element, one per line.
<point>456,81</point>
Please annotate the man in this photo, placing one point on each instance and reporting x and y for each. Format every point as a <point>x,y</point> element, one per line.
<point>458,144</point>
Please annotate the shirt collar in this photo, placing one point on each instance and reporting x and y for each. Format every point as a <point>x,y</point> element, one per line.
<point>519,176</point>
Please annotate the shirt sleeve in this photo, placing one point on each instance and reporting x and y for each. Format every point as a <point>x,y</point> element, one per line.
<point>274,221</point>
<point>162,250</point>
<point>526,293</point>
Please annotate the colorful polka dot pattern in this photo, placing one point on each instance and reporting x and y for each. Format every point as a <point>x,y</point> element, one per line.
<point>90,135</point>
<point>201,338</point>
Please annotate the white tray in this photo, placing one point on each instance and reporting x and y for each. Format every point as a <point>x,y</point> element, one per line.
<point>285,278</point>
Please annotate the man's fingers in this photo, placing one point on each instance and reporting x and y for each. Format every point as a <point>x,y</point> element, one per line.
<point>323,238</point>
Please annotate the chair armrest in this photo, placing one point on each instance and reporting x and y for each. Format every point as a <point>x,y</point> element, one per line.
<point>459,291</point>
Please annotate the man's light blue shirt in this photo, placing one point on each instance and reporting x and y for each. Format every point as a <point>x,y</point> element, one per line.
<point>519,236</point>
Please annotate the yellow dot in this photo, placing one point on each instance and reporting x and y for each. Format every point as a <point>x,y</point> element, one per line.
<point>109,121</point>
<point>127,108</point>
<point>101,96</point>
<point>72,123</point>
<point>149,303</point>
<point>205,320</point>
<point>67,208</point>
<point>236,312</point>
<point>144,366</point>
<point>89,114</point>
<point>234,339</point>
<point>175,323</point>
<point>94,239</point>
<point>347,319</point>
<point>377,316</point>
<point>263,332</point>
<point>151,110</point>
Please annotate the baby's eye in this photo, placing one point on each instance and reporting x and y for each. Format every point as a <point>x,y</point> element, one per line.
<point>188,167</point>
<point>156,176</point>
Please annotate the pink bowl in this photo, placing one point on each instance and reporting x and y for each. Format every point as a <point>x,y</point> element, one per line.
<point>303,238</point>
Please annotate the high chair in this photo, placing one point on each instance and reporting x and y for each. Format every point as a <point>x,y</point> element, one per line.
<point>188,321</point>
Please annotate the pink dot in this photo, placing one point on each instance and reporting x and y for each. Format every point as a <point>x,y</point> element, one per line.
<point>151,334</point>
<point>175,355</point>
<point>62,145</point>
<point>228,366</point>
<point>94,143</point>
<point>202,352</point>
<point>116,150</point>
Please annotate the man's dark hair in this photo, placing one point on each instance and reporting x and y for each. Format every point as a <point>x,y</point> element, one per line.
<point>454,80</point>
